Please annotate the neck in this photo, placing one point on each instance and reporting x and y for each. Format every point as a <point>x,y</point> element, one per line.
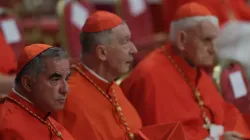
<point>99,68</point>
<point>22,93</point>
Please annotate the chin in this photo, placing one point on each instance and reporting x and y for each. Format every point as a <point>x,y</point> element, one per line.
<point>58,108</point>
<point>125,70</point>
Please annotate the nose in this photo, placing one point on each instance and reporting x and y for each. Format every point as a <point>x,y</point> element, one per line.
<point>64,89</point>
<point>214,47</point>
<point>133,49</point>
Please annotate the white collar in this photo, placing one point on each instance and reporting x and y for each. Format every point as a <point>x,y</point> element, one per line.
<point>95,74</point>
<point>21,95</point>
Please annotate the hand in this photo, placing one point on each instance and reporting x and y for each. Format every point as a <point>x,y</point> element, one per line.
<point>231,135</point>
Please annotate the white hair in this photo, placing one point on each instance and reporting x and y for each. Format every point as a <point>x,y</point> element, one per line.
<point>233,43</point>
<point>189,22</point>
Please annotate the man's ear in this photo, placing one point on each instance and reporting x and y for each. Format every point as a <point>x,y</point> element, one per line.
<point>181,40</point>
<point>27,82</point>
<point>101,52</point>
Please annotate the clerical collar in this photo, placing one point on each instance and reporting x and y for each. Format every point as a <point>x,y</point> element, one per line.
<point>21,96</point>
<point>28,104</point>
<point>95,74</point>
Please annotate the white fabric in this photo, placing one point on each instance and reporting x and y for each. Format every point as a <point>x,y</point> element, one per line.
<point>10,31</point>
<point>79,14</point>
<point>95,74</point>
<point>233,43</point>
<point>21,95</point>
<point>137,7</point>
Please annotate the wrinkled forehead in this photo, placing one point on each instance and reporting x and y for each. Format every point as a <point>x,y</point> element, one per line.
<point>61,65</point>
<point>207,28</point>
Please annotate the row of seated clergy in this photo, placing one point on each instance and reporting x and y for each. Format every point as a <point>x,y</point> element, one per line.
<point>15,39</point>
<point>73,27</point>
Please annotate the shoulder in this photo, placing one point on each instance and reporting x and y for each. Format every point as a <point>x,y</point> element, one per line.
<point>148,67</point>
<point>10,118</point>
<point>75,75</point>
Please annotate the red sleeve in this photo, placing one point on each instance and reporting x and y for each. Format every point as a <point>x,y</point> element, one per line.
<point>141,88</point>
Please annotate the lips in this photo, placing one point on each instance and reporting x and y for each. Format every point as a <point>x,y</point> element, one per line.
<point>61,101</point>
<point>130,62</point>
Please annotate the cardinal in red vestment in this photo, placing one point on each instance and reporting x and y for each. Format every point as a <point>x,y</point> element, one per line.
<point>169,85</point>
<point>96,106</point>
<point>40,88</point>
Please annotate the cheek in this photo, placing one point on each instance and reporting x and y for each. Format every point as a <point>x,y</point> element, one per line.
<point>118,57</point>
<point>47,90</point>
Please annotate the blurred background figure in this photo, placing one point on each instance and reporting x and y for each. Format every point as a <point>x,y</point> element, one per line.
<point>232,74</point>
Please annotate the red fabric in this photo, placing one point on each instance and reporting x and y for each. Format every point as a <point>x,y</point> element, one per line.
<point>161,95</point>
<point>18,45</point>
<point>191,9</point>
<point>242,9</point>
<point>9,3</point>
<point>100,21</point>
<point>243,103</point>
<point>8,63</point>
<point>30,52</point>
<point>88,112</point>
<point>140,26</point>
<point>171,131</point>
<point>18,124</point>
<point>71,31</point>
<point>218,8</point>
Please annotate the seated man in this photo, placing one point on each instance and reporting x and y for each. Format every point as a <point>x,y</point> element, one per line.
<point>101,112</point>
<point>40,88</point>
<point>169,85</point>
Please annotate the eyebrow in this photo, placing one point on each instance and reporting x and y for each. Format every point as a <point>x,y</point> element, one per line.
<point>55,75</point>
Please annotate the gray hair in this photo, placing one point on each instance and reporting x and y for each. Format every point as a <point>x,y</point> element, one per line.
<point>186,23</point>
<point>37,65</point>
<point>89,40</point>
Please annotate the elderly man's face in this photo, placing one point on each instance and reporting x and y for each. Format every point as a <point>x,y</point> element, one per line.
<point>200,46</point>
<point>50,88</point>
<point>121,50</point>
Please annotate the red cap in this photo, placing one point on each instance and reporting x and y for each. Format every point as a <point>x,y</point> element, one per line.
<point>100,21</point>
<point>30,52</point>
<point>191,9</point>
